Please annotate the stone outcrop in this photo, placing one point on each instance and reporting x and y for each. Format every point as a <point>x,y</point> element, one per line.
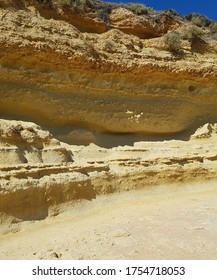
<point>106,88</point>
<point>141,26</point>
<point>26,143</point>
<point>88,20</point>
<point>37,172</point>
<point>49,68</point>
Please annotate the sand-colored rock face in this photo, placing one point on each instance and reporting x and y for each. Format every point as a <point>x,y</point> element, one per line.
<point>143,27</point>
<point>37,173</point>
<point>103,88</point>
<point>26,143</point>
<point>109,82</point>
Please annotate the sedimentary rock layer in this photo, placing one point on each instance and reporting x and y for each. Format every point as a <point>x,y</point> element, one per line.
<point>55,75</point>
<point>96,87</point>
<point>42,173</point>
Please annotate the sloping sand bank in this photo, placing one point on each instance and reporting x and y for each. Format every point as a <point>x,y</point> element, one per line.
<point>164,222</point>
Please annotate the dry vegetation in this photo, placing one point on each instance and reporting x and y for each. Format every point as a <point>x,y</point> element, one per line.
<point>201,28</point>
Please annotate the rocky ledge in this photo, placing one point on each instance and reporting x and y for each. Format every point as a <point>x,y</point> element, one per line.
<point>38,173</point>
<point>122,107</point>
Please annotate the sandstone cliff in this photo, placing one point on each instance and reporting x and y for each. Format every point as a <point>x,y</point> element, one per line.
<point>88,82</point>
<point>37,172</point>
<point>49,68</point>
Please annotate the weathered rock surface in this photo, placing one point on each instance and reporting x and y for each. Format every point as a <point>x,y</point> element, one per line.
<point>53,74</point>
<point>92,88</point>
<point>141,26</point>
<point>37,172</point>
<point>22,142</point>
<point>88,20</point>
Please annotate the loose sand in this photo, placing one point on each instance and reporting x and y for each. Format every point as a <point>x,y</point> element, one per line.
<point>164,222</point>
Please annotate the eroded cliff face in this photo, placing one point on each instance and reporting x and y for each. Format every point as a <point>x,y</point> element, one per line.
<point>38,173</point>
<point>54,75</point>
<point>91,88</point>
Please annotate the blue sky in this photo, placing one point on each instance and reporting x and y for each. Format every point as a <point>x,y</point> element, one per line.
<point>207,8</point>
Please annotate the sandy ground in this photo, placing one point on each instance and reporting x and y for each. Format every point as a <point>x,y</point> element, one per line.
<point>175,222</point>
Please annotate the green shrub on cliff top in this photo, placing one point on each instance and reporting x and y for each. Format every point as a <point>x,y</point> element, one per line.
<point>138,9</point>
<point>172,42</point>
<point>193,32</point>
<point>213,27</point>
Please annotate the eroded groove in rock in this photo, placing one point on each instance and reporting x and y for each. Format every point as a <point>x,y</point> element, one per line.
<point>33,188</point>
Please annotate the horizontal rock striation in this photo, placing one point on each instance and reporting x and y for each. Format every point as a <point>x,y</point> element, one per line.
<point>32,187</point>
<point>55,75</point>
<point>102,85</point>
